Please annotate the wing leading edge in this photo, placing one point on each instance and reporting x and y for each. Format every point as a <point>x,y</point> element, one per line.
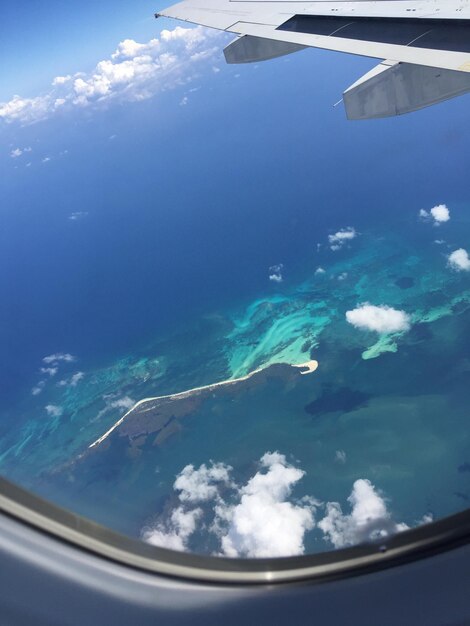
<point>425,44</point>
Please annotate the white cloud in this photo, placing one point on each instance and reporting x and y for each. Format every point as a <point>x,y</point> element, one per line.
<point>338,240</point>
<point>51,371</point>
<point>175,534</point>
<point>53,410</point>
<point>52,365</point>
<point>199,485</point>
<point>459,260</point>
<point>343,276</point>
<point>72,381</point>
<point>17,152</point>
<point>264,523</point>
<point>276,273</point>
<point>381,319</point>
<point>369,518</point>
<point>124,403</point>
<point>61,80</point>
<point>59,356</point>
<point>46,159</point>
<point>257,522</point>
<point>26,110</point>
<point>129,49</point>
<point>184,101</point>
<point>439,242</point>
<point>135,71</point>
<point>261,519</point>
<point>76,378</point>
<point>319,271</point>
<point>38,388</point>
<point>340,456</point>
<point>439,214</point>
<point>78,215</point>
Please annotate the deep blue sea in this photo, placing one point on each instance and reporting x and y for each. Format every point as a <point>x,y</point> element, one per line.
<point>161,283</point>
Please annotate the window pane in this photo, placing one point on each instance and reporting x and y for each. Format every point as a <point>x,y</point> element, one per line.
<point>232,321</point>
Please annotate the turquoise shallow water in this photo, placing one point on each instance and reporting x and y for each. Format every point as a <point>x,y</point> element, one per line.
<point>390,408</point>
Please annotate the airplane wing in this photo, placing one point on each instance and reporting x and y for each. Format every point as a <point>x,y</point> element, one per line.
<point>425,44</point>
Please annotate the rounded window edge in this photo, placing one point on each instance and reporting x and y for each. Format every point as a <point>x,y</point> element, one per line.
<point>406,546</point>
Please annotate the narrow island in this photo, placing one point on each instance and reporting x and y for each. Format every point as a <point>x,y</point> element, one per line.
<point>156,406</point>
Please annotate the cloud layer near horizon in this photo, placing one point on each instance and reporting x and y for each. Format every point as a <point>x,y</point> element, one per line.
<point>135,71</point>
<point>262,518</point>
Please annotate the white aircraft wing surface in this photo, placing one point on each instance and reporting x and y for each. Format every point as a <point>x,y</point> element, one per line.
<point>425,43</point>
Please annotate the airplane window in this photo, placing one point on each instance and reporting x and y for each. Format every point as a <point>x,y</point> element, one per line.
<point>233,321</point>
